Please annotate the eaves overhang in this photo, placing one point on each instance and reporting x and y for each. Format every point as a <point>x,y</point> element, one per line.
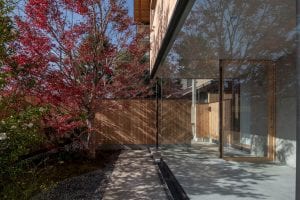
<point>182,10</point>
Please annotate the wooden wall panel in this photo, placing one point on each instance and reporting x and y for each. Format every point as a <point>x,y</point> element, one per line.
<point>214,121</point>
<point>176,122</point>
<point>202,118</point>
<point>208,120</point>
<point>127,122</point>
<point>134,122</point>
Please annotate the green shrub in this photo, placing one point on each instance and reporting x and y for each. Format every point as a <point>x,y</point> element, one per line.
<point>19,135</point>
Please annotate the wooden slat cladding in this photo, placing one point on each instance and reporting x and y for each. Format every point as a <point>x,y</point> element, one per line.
<point>202,120</point>
<point>208,121</point>
<point>175,122</point>
<point>214,121</point>
<point>142,11</point>
<point>134,122</point>
<point>128,122</point>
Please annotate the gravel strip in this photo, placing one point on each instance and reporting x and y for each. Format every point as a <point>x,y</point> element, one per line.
<point>88,186</point>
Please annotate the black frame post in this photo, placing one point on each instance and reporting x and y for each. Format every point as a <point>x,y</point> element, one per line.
<point>298,102</point>
<point>221,84</point>
<point>157,107</point>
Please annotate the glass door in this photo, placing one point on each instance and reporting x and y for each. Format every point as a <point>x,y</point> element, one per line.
<point>248,109</point>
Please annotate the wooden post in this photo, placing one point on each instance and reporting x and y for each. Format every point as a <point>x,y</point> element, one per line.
<point>193,111</point>
<point>271,109</point>
<point>221,108</point>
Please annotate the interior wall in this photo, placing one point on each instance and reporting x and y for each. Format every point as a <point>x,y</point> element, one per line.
<point>245,114</point>
<point>254,119</point>
<point>286,103</point>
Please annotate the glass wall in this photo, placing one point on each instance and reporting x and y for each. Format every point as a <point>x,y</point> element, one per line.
<point>189,111</point>
<point>245,48</point>
<point>247,100</point>
<point>229,90</point>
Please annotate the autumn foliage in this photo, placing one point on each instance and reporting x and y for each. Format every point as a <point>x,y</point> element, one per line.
<point>71,53</point>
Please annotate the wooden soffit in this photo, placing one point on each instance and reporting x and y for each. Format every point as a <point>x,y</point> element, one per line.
<point>142,11</point>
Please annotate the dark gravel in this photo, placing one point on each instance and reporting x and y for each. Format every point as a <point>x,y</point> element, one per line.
<point>88,186</point>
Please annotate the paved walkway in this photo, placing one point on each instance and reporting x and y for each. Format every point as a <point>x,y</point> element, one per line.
<point>134,177</point>
<point>206,177</point>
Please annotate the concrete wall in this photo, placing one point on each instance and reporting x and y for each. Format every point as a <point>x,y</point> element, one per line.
<point>160,19</point>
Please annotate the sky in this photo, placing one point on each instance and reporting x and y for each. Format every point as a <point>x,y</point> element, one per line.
<point>130,7</point>
<point>129,3</point>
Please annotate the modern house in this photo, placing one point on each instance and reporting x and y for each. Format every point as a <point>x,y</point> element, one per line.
<point>234,63</point>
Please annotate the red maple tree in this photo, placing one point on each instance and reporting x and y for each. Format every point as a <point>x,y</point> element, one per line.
<point>71,53</point>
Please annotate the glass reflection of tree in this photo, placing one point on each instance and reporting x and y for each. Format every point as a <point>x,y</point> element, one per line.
<point>249,36</point>
<point>234,30</point>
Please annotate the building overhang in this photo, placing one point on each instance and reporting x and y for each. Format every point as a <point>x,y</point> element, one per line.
<point>180,13</point>
<point>142,11</point>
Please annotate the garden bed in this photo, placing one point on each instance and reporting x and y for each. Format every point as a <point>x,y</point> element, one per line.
<point>63,176</point>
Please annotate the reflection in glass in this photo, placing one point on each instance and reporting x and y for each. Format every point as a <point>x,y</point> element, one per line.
<point>189,113</point>
<point>245,108</point>
<point>253,44</point>
<point>230,29</point>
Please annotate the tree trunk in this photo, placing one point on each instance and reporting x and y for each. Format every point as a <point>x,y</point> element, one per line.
<point>91,143</point>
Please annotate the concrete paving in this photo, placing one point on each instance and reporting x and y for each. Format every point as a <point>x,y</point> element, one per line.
<point>204,176</point>
<point>134,177</point>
